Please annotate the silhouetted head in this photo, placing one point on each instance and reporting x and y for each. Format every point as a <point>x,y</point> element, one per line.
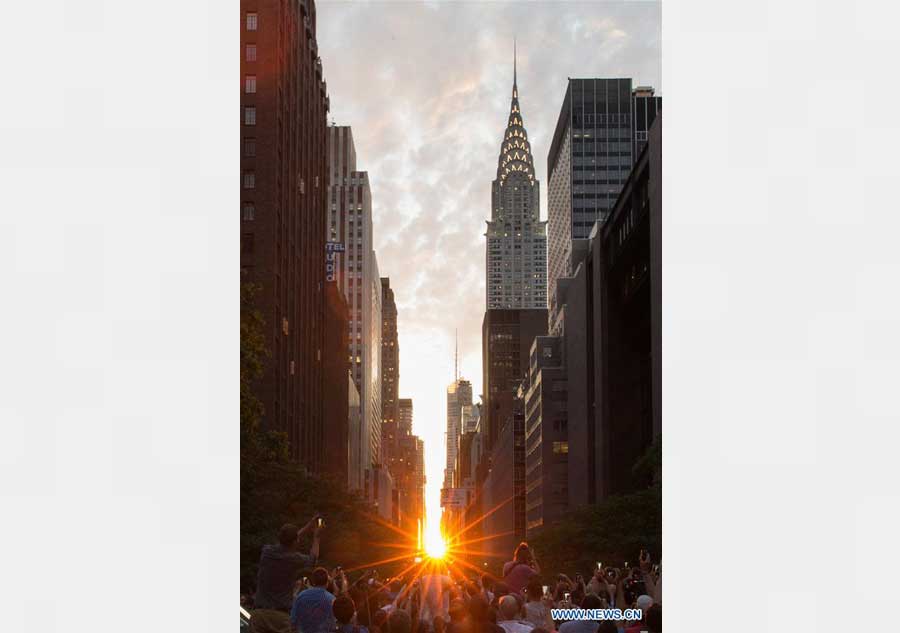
<point>319,577</point>
<point>287,535</point>
<point>399,622</point>
<point>523,554</point>
<point>343,609</point>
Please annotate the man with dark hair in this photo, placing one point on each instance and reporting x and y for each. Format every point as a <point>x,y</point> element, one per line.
<point>399,622</point>
<point>480,617</point>
<point>312,611</point>
<point>344,609</point>
<point>500,589</point>
<point>591,601</point>
<point>536,611</point>
<point>279,567</point>
<point>457,616</point>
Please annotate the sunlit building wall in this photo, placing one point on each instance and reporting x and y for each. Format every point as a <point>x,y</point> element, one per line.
<point>356,272</point>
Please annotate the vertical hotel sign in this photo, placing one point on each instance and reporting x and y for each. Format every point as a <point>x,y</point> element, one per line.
<point>330,249</point>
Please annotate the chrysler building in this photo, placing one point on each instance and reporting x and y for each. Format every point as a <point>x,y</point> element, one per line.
<point>516,237</point>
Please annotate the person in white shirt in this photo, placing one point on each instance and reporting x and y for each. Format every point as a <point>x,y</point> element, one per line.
<point>536,611</point>
<point>434,597</point>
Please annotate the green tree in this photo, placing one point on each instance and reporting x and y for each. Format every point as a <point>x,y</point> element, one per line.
<point>257,445</point>
<point>275,491</point>
<point>613,531</point>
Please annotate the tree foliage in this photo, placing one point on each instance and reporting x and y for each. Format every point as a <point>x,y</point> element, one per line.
<point>257,445</point>
<point>275,491</point>
<point>611,532</point>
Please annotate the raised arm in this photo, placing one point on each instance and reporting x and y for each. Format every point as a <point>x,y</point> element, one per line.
<point>314,550</point>
<point>534,563</point>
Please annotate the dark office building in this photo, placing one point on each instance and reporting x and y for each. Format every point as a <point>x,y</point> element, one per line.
<point>645,106</point>
<point>503,493</point>
<point>337,374</point>
<point>613,337</point>
<point>283,211</point>
<point>601,126</point>
<point>506,337</point>
<point>546,434</point>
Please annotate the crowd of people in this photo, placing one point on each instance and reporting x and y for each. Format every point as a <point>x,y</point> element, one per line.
<point>442,598</point>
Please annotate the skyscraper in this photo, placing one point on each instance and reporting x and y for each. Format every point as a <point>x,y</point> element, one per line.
<point>613,342</point>
<point>506,338</point>
<point>546,434</point>
<point>390,354</point>
<point>407,470</point>
<point>405,415</point>
<point>337,394</point>
<point>283,214</point>
<point>356,272</point>
<point>601,126</point>
<point>459,396</point>
<point>516,255</point>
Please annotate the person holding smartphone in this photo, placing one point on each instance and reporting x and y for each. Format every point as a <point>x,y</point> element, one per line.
<point>279,567</point>
<point>521,569</point>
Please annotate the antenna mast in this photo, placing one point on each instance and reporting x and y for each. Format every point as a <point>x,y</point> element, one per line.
<point>456,357</point>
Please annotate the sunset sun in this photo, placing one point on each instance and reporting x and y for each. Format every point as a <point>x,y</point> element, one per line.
<point>435,546</point>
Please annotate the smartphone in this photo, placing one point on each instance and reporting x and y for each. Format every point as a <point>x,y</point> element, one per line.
<point>566,596</point>
<point>656,568</point>
<point>599,565</point>
<point>546,589</point>
<point>321,522</point>
<point>626,565</point>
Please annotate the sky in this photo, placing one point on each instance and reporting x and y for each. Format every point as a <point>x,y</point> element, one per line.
<point>426,87</point>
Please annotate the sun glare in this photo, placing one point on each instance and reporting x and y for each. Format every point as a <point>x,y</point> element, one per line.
<point>435,546</point>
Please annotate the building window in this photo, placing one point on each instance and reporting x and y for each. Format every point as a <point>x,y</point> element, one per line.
<point>250,115</point>
<point>249,180</point>
<point>250,84</point>
<point>251,21</point>
<point>249,147</point>
<point>250,53</point>
<point>561,448</point>
<point>249,213</point>
<point>247,243</point>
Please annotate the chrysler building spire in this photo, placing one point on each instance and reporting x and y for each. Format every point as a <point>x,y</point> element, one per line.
<point>516,254</point>
<point>515,151</point>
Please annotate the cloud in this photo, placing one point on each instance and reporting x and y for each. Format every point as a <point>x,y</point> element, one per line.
<point>426,88</point>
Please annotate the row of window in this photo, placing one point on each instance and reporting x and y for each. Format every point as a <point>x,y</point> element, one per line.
<point>606,118</point>
<point>583,154</point>
<point>601,181</point>
<point>604,168</point>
